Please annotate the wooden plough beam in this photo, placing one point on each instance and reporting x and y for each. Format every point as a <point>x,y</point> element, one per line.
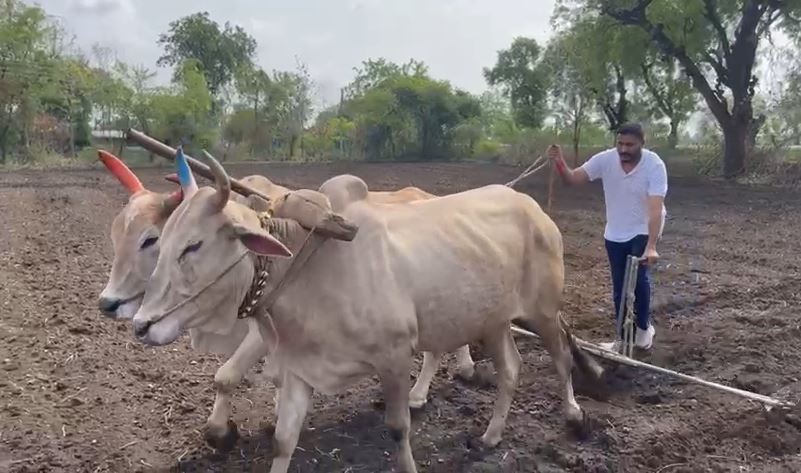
<point>618,358</point>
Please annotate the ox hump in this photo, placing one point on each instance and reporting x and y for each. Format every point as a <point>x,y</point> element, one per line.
<point>343,190</point>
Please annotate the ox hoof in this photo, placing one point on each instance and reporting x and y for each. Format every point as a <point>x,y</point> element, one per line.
<point>465,374</point>
<point>490,440</point>
<point>417,402</point>
<point>581,427</point>
<point>223,441</point>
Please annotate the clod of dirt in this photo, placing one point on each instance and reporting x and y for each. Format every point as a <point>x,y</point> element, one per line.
<point>484,376</point>
<point>467,411</point>
<point>650,398</point>
<point>75,402</point>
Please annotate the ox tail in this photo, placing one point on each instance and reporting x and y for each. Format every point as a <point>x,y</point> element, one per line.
<point>586,363</point>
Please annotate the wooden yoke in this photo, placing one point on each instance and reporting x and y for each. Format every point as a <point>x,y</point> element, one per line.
<point>330,224</point>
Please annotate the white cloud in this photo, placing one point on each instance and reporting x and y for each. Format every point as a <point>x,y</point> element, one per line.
<point>100,7</point>
<point>456,38</point>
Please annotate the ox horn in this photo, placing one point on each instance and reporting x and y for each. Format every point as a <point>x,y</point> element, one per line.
<point>221,180</point>
<point>185,176</point>
<point>126,177</point>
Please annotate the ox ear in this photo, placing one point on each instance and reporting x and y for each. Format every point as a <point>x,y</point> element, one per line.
<point>261,242</point>
<point>172,201</point>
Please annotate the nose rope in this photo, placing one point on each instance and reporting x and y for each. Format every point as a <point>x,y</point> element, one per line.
<point>259,278</point>
<point>200,291</point>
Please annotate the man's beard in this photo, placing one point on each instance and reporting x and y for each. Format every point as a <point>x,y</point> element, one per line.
<point>629,158</point>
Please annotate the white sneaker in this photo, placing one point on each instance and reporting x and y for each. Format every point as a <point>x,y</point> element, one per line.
<point>645,338</point>
<point>612,346</point>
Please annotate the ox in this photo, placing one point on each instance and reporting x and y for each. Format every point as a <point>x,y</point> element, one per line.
<point>135,233</point>
<point>352,309</point>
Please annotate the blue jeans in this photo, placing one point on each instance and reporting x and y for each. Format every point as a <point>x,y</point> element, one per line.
<point>618,252</point>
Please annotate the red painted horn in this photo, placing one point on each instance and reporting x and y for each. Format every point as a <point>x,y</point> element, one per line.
<point>126,177</point>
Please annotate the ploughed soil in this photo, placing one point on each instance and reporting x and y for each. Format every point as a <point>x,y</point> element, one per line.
<point>79,393</point>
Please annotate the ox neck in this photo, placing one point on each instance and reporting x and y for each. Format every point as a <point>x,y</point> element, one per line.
<point>272,275</point>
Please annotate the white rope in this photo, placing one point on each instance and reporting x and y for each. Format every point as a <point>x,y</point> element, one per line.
<point>531,169</point>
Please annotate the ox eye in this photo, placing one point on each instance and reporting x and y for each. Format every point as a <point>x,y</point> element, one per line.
<point>149,242</point>
<point>190,248</point>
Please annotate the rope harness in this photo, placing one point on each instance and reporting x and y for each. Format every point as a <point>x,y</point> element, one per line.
<point>253,298</point>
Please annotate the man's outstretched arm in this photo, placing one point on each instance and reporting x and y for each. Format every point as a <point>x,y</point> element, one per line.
<point>571,177</point>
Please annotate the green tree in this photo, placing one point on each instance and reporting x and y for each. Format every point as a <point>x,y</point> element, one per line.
<point>783,126</point>
<point>525,82</point>
<point>375,71</point>
<point>672,93</point>
<point>27,67</point>
<point>138,112</point>
<point>220,51</point>
<point>496,118</point>
<point>292,102</point>
<point>716,42</point>
<point>571,88</point>
<point>606,58</point>
<point>181,113</point>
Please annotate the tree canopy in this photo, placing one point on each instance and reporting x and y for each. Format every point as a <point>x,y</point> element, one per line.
<point>607,62</point>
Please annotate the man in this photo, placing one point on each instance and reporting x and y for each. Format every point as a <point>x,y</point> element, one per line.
<point>635,184</point>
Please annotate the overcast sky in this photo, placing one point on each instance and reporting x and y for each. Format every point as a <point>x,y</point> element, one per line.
<point>455,38</point>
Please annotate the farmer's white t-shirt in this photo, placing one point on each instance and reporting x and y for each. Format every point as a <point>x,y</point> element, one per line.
<point>626,195</point>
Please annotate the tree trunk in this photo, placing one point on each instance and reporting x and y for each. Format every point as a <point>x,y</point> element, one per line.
<point>576,139</point>
<point>754,129</point>
<point>673,138</point>
<point>293,143</point>
<point>4,144</point>
<point>735,149</point>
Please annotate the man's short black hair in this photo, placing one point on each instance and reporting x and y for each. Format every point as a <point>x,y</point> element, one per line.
<point>634,129</point>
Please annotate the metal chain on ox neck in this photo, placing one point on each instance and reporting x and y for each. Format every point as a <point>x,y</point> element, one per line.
<point>254,296</point>
<point>260,275</point>
<point>256,288</point>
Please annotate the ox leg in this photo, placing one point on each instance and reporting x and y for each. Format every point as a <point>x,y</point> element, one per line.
<point>274,372</point>
<point>395,384</point>
<point>221,432</point>
<point>465,367</point>
<point>506,359</point>
<point>295,400</point>
<point>419,393</point>
<point>558,347</point>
